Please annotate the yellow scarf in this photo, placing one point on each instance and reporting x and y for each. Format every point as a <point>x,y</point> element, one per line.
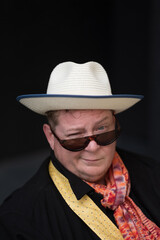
<point>85,208</point>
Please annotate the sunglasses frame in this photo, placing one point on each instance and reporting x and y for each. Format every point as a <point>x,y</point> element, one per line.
<point>117,131</point>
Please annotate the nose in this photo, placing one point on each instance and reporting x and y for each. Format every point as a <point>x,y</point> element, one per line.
<point>92,145</point>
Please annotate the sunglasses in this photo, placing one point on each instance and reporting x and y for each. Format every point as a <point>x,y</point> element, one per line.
<point>79,144</point>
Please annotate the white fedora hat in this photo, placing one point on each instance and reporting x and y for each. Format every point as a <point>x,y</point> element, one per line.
<point>78,86</point>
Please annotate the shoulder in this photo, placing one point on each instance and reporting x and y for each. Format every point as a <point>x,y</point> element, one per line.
<point>143,170</point>
<point>17,213</point>
<point>145,181</point>
<point>23,199</point>
<point>139,164</point>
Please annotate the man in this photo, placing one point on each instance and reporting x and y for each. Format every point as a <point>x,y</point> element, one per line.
<point>86,189</point>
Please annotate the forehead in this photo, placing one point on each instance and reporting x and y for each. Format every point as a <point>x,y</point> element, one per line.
<point>70,117</point>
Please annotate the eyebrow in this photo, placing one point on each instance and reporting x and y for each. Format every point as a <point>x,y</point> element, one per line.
<point>105,118</point>
<point>81,130</point>
<point>73,131</point>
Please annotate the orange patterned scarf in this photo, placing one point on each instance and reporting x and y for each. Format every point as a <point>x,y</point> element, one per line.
<point>130,220</point>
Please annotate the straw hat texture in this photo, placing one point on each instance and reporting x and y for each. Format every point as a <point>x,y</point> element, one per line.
<point>78,86</point>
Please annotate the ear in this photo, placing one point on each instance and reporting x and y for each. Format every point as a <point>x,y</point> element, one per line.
<point>48,133</point>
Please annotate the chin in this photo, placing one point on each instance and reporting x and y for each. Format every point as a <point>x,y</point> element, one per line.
<point>95,178</point>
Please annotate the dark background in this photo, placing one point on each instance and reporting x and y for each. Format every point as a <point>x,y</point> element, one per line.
<point>122,35</point>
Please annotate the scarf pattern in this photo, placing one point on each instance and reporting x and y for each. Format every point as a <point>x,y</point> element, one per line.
<point>132,223</point>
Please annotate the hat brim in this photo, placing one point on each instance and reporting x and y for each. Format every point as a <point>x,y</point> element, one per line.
<point>42,103</point>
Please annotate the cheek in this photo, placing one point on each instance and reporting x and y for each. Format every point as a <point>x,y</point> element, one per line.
<point>109,152</point>
<point>65,157</point>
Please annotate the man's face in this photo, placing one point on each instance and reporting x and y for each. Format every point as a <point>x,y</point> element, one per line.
<point>92,163</point>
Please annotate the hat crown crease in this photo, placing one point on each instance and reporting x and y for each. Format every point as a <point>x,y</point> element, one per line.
<point>79,79</point>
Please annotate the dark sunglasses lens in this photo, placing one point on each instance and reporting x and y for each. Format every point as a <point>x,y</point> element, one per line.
<point>79,144</point>
<point>106,138</point>
<point>75,144</point>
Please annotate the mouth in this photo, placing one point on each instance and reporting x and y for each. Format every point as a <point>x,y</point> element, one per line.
<point>91,160</point>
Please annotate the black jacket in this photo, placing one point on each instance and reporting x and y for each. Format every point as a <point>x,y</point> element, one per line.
<point>38,212</point>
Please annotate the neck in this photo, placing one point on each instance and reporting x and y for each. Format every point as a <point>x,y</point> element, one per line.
<point>101,181</point>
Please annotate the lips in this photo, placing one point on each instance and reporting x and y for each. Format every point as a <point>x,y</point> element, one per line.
<point>91,160</point>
